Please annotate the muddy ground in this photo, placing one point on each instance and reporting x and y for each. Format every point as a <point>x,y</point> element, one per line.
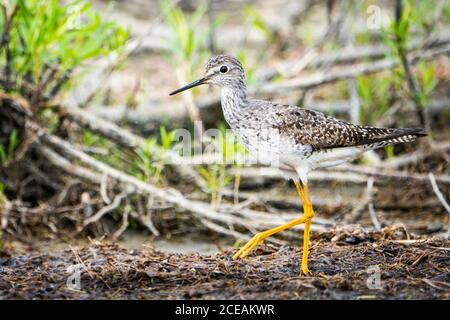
<point>346,264</point>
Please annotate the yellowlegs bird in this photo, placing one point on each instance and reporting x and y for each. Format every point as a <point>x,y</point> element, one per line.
<point>298,140</point>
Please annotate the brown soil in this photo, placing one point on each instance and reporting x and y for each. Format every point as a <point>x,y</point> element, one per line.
<point>418,268</point>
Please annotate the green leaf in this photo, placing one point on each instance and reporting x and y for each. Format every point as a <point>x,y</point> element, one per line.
<point>58,35</point>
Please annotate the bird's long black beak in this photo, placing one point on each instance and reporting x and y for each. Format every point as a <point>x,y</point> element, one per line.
<point>190,85</point>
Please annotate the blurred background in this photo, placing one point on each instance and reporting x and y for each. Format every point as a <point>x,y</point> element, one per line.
<point>87,126</point>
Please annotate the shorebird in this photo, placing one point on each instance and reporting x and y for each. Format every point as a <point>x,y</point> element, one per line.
<point>296,139</point>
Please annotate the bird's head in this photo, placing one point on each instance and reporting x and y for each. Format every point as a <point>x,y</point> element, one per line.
<point>223,71</point>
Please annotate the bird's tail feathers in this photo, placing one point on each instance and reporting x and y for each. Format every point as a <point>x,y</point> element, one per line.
<point>384,136</point>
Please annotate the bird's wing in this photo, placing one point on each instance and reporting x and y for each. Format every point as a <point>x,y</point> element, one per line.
<point>313,128</point>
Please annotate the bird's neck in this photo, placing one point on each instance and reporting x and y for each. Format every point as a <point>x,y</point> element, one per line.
<point>234,102</point>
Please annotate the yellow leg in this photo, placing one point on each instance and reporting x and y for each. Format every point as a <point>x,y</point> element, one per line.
<point>306,218</point>
<point>309,213</point>
<point>306,233</point>
<point>260,237</point>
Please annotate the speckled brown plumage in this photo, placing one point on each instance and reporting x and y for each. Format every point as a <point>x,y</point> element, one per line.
<point>288,136</point>
<point>313,128</point>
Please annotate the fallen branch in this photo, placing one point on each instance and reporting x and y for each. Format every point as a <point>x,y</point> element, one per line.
<point>373,215</point>
<point>277,197</point>
<point>391,174</point>
<point>124,226</point>
<point>127,139</point>
<point>288,68</point>
<point>133,185</point>
<point>415,157</point>
<point>68,166</point>
<point>343,173</point>
<point>438,192</point>
<point>218,228</point>
<point>210,110</point>
<point>319,79</point>
<point>106,209</point>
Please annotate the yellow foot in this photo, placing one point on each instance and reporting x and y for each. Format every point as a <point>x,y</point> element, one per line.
<point>250,245</point>
<point>306,272</point>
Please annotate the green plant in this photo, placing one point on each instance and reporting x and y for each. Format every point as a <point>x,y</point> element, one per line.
<point>187,43</point>
<point>144,162</point>
<point>47,42</point>
<point>389,152</point>
<point>2,194</point>
<point>427,80</point>
<point>106,151</point>
<point>258,22</point>
<point>446,12</point>
<point>235,153</point>
<point>241,153</point>
<point>166,143</point>
<point>151,158</point>
<point>48,118</point>
<point>89,139</point>
<point>424,15</point>
<point>230,152</point>
<point>308,34</point>
<point>186,39</point>
<point>166,139</point>
<point>249,69</point>
<point>363,38</point>
<point>397,36</point>
<point>374,94</point>
<point>227,145</point>
<point>216,179</point>
<point>7,153</point>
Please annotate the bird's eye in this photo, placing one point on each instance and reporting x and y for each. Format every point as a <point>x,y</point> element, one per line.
<point>223,69</point>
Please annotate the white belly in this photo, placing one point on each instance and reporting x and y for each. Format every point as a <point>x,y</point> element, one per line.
<point>333,157</point>
<point>268,147</point>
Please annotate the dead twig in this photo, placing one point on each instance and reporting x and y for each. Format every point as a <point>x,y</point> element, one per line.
<point>440,196</point>
<point>373,215</point>
<point>5,206</point>
<point>4,42</point>
<point>104,189</point>
<point>106,209</point>
<point>68,166</point>
<point>390,174</point>
<point>442,285</point>
<point>343,173</point>
<point>218,228</point>
<point>438,193</point>
<point>125,223</point>
<point>7,24</point>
